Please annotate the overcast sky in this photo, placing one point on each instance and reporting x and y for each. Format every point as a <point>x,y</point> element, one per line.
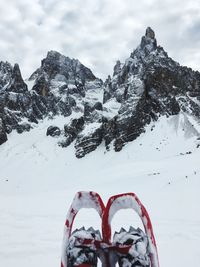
<point>97,32</point>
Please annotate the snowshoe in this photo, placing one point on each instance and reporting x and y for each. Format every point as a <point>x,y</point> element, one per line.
<point>133,248</point>
<point>130,201</point>
<point>79,247</point>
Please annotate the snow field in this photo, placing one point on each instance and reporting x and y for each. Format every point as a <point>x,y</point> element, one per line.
<point>38,180</point>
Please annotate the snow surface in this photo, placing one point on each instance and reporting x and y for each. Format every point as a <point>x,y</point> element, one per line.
<point>29,83</point>
<point>38,180</point>
<point>111,108</point>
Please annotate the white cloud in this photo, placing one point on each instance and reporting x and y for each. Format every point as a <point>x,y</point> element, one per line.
<point>97,32</point>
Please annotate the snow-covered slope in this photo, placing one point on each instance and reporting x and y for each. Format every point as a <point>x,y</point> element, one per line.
<point>38,180</point>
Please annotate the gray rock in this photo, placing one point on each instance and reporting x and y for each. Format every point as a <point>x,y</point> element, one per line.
<point>23,127</point>
<point>72,130</point>
<point>74,127</point>
<point>98,106</point>
<point>53,131</point>
<point>3,135</point>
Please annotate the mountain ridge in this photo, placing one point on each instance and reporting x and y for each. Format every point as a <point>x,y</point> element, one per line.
<point>148,85</point>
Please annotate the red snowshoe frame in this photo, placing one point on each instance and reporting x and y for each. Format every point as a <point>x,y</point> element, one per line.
<point>115,203</point>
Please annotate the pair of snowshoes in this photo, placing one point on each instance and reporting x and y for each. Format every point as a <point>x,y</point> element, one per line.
<point>133,248</point>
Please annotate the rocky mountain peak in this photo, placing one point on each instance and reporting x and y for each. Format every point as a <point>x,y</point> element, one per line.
<point>57,59</point>
<point>63,70</point>
<point>55,54</point>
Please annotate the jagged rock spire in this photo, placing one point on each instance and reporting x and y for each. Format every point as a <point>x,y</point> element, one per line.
<point>149,40</point>
<point>117,68</point>
<point>150,33</point>
<point>17,83</point>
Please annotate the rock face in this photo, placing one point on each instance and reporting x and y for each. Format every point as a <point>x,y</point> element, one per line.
<point>63,83</point>
<point>148,85</point>
<point>88,140</point>
<point>60,86</point>
<point>15,99</point>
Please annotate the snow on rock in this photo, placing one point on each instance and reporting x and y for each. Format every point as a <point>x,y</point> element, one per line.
<point>89,139</point>
<point>5,74</point>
